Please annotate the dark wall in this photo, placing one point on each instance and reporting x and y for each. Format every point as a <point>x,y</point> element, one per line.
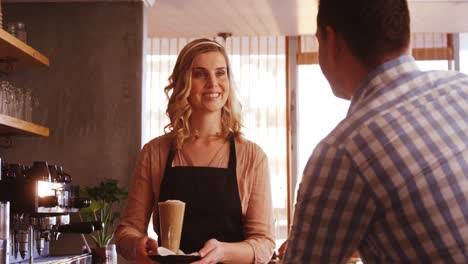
<point>90,96</point>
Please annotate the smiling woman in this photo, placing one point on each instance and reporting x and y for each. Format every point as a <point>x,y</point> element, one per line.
<point>204,161</point>
<point>259,72</point>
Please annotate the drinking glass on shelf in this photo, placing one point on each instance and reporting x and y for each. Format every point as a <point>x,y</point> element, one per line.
<point>19,105</point>
<point>5,231</point>
<point>28,105</point>
<point>2,96</point>
<point>9,100</point>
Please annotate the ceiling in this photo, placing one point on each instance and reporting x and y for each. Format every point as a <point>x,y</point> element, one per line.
<point>171,18</point>
<point>197,18</point>
<point>206,18</point>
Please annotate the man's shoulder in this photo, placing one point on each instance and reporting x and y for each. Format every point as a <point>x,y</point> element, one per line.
<point>443,79</point>
<point>343,131</point>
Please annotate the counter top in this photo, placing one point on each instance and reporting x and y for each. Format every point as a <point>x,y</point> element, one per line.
<point>72,259</point>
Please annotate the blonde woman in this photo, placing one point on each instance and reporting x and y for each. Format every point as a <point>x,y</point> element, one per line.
<point>204,161</point>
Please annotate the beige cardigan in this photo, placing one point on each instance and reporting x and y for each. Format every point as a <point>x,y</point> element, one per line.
<point>254,191</point>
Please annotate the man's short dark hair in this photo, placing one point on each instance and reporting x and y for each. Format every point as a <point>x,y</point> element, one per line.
<point>371,28</point>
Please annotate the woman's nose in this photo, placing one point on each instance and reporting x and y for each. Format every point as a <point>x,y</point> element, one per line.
<point>212,80</point>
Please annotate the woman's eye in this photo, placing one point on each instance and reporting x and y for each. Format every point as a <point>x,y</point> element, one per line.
<point>220,73</point>
<point>199,74</point>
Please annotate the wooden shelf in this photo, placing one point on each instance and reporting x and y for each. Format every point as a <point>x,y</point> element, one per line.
<point>23,56</point>
<point>15,55</point>
<point>10,126</point>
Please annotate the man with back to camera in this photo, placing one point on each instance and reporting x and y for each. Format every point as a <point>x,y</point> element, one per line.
<point>391,180</point>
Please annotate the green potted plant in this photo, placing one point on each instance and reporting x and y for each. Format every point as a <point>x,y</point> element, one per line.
<point>106,203</point>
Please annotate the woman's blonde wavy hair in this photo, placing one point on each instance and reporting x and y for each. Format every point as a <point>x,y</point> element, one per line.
<point>179,109</point>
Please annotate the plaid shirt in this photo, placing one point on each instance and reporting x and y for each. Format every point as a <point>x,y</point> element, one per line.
<point>391,180</point>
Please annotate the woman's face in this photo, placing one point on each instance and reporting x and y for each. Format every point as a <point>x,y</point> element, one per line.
<point>210,83</point>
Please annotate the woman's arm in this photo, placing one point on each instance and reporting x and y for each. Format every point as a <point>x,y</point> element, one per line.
<point>132,227</point>
<point>258,221</point>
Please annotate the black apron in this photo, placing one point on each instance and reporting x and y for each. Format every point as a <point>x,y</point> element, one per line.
<point>212,203</point>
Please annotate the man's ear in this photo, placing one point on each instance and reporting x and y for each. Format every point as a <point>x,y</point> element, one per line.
<point>333,45</point>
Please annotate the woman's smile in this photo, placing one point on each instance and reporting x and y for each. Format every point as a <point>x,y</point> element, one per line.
<point>212,95</point>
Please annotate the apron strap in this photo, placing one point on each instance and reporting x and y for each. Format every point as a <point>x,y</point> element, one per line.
<point>232,154</point>
<point>171,155</point>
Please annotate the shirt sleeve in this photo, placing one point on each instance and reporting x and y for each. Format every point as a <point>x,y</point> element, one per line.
<point>134,221</point>
<point>258,219</point>
<point>332,211</point>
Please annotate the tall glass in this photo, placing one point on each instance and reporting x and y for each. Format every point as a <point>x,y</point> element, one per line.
<point>10,100</point>
<point>4,232</point>
<point>28,105</point>
<point>111,254</point>
<point>171,220</point>
<point>4,96</point>
<point>19,106</point>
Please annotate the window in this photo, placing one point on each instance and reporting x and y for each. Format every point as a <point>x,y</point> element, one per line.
<point>464,52</point>
<point>433,51</point>
<point>319,111</point>
<point>429,65</point>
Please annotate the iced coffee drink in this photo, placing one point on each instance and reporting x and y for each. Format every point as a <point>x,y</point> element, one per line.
<point>171,218</point>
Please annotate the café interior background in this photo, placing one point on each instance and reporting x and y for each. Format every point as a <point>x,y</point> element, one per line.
<point>91,94</point>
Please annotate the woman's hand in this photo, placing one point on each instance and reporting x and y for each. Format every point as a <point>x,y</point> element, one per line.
<point>212,252</point>
<point>143,246</point>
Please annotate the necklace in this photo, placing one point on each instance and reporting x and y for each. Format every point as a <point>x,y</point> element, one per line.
<point>216,154</point>
<point>203,154</point>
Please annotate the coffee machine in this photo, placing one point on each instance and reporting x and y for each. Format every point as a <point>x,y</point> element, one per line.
<point>41,199</point>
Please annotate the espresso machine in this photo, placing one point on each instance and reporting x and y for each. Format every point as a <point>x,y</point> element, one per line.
<point>41,199</point>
